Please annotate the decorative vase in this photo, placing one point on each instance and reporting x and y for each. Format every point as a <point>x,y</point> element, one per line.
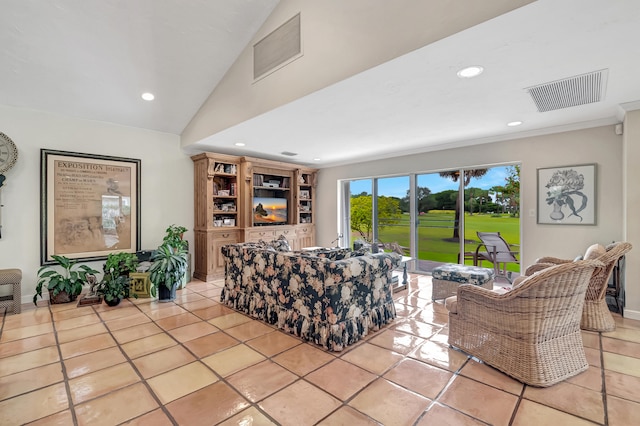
<point>165,294</point>
<point>556,214</point>
<point>113,302</point>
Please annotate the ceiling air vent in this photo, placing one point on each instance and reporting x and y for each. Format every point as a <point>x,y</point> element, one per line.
<point>569,92</point>
<point>289,153</point>
<point>278,48</point>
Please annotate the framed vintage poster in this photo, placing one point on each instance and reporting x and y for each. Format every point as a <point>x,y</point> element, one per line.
<point>567,195</point>
<point>89,206</point>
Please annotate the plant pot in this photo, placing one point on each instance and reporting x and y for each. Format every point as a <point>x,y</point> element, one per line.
<point>165,294</point>
<point>112,302</point>
<point>62,297</point>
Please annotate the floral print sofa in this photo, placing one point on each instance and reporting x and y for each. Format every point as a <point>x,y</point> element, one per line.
<point>331,297</point>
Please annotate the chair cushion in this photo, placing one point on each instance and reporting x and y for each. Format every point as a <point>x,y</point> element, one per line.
<point>462,274</point>
<point>594,251</point>
<point>518,281</point>
<point>451,303</point>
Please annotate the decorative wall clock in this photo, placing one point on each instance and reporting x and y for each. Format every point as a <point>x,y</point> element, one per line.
<point>8,153</point>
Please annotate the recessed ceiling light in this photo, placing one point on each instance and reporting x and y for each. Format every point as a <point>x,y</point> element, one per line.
<point>470,72</point>
<point>514,123</point>
<point>316,159</point>
<point>239,144</point>
<point>148,96</point>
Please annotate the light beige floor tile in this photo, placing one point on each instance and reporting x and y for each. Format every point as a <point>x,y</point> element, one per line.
<point>430,317</point>
<point>71,313</point>
<point>87,345</point>
<point>27,318</point>
<point>137,332</point>
<point>439,355</point>
<point>331,378</point>
<point>621,347</point>
<point>24,332</point>
<point>181,381</point>
<point>176,321</point>
<point>621,363</point>
<point>299,404</point>
<point>248,330</point>
<point>626,322</point>
<point>622,385</point>
<point>165,311</point>
<point>211,312</point>
<point>593,356</point>
<point>628,334</point>
<point>148,345</point>
<point>234,359</point>
<point>419,377</point>
<point>29,380</point>
<point>261,380</point>
<point>492,377</point>
<point>303,359</point>
<point>118,312</point>
<point>77,322</point>
<point>153,418</point>
<point>25,345</point>
<point>249,417</point>
<point>570,398</point>
<point>590,339</point>
<point>480,401</point>
<point>101,382</point>
<point>590,379</point>
<point>439,414</point>
<point>202,303</point>
<point>347,416</point>
<point>93,361</point>
<point>116,407</point>
<point>417,328</point>
<point>163,361</point>
<point>228,321</point>
<point>28,360</point>
<point>34,405</point>
<point>63,418</point>
<point>80,333</point>
<point>273,343</point>
<point>192,331</point>
<point>389,403</point>
<point>397,341</point>
<point>126,322</point>
<point>207,406</point>
<point>532,413</point>
<point>622,412</point>
<point>404,311</point>
<point>210,344</point>
<point>372,358</point>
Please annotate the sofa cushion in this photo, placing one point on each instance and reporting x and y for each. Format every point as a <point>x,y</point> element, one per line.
<point>594,251</point>
<point>281,244</point>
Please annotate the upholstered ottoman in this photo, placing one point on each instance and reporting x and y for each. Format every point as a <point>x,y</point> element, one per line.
<point>13,278</point>
<point>446,279</point>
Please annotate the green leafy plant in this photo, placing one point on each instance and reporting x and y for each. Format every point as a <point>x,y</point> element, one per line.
<point>168,267</point>
<point>173,237</point>
<point>113,287</point>
<point>121,263</point>
<point>70,280</point>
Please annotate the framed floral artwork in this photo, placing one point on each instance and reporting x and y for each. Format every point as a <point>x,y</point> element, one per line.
<point>567,195</point>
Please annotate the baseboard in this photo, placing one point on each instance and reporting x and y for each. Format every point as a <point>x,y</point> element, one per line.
<point>634,315</point>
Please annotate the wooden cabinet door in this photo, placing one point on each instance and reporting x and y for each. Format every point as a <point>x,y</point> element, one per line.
<point>220,239</point>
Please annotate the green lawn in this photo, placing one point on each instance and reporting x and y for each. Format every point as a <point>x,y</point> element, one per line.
<point>437,226</point>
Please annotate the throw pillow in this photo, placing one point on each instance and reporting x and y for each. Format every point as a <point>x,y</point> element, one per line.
<point>281,244</point>
<point>594,251</point>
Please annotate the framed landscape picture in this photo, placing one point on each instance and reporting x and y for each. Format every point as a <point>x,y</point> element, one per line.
<point>567,195</point>
<point>90,205</point>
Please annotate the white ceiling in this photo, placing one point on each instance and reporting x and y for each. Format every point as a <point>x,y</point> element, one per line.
<point>92,59</point>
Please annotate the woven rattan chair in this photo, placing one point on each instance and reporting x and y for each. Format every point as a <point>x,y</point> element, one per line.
<point>595,314</point>
<point>532,333</point>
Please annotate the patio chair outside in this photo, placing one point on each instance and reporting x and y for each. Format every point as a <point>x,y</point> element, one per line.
<point>532,333</point>
<point>497,251</point>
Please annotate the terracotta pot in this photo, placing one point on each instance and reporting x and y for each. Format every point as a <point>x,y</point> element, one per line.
<point>62,297</point>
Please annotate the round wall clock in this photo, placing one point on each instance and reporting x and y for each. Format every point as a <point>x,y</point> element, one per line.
<point>8,153</point>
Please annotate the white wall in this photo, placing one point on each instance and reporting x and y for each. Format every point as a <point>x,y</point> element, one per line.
<point>166,185</point>
<point>598,145</point>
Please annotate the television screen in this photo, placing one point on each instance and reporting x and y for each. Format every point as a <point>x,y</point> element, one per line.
<point>269,211</point>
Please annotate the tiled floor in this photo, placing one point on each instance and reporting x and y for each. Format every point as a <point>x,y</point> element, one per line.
<point>196,362</point>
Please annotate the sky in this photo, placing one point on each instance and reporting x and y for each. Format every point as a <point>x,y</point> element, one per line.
<point>398,186</point>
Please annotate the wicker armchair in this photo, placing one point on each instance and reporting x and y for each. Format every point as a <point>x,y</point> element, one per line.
<point>595,314</point>
<point>532,333</point>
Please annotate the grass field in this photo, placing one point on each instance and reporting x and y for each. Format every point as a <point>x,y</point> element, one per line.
<point>436,230</point>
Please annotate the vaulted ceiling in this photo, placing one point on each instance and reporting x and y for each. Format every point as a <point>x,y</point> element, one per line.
<point>92,59</point>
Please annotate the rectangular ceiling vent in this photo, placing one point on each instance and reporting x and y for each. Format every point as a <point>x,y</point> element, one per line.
<point>569,92</point>
<point>289,153</point>
<point>277,49</point>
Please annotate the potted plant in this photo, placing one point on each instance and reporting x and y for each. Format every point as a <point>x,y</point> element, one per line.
<point>167,271</point>
<point>173,237</point>
<point>121,263</point>
<point>63,287</point>
<point>113,288</point>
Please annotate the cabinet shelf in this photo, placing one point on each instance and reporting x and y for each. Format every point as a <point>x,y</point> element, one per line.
<point>272,188</point>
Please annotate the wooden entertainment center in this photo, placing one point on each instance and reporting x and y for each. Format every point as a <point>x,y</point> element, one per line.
<point>245,199</point>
